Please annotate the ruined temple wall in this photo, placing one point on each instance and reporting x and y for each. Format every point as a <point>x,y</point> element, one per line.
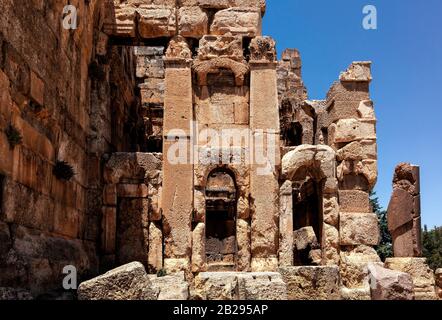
<point>50,95</point>
<point>149,19</point>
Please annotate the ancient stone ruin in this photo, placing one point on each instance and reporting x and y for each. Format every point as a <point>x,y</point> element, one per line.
<point>108,160</point>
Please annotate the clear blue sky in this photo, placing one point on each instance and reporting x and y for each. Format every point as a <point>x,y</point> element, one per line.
<point>406,51</point>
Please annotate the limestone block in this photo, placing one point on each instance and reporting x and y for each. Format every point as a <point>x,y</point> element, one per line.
<point>358,150</point>
<point>128,282</point>
<point>262,49</point>
<point>176,265</point>
<point>226,46</point>
<point>286,224</point>
<point>155,207</point>
<point>132,191</point>
<point>358,71</point>
<point>321,157</point>
<point>22,205</point>
<point>171,287</point>
<point>199,248</point>
<point>178,103</point>
<point>400,209</point>
<point>353,267</point>
<point>216,286</point>
<point>366,168</point>
<point>305,238</point>
<point>422,275</point>
<point>243,208</point>
<point>6,154</point>
<point>156,21</point>
<point>199,202</point>
<point>354,201</point>
<point>237,21</point>
<point>243,241</point>
<point>37,142</point>
<point>330,210</point>
<point>122,22</point>
<point>177,200</point>
<point>387,284</point>
<point>349,130</point>
<point>37,88</point>
<point>261,286</point>
<point>224,4</point>
<point>264,114</point>
<point>131,166</point>
<point>155,255</point>
<point>404,222</point>
<point>366,109</point>
<point>192,22</point>
<point>359,228</point>
<point>330,244</point>
<point>311,283</point>
<point>15,294</point>
<point>110,195</point>
<point>133,231</point>
<point>269,264</point>
<point>358,294</point>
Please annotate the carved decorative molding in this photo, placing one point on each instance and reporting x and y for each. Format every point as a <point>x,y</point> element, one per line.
<point>262,49</point>
<point>203,68</point>
<point>178,49</point>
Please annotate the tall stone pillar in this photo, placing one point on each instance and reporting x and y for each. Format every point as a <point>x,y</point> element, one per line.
<point>404,212</point>
<point>177,195</point>
<point>264,124</point>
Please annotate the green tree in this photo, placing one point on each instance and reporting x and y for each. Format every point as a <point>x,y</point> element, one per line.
<point>432,247</point>
<point>385,247</point>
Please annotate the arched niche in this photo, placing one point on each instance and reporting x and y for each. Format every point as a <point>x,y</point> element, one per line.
<point>310,184</point>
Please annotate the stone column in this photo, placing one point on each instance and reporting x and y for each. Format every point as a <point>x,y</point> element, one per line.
<point>264,123</point>
<point>177,195</point>
<point>286,225</point>
<point>404,214</point>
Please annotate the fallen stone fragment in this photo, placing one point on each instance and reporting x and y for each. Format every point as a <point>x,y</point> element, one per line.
<point>387,284</point>
<point>128,282</point>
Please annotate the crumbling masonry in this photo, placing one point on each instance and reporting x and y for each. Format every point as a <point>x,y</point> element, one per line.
<point>113,99</point>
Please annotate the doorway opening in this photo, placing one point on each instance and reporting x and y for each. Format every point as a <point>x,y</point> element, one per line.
<point>221,200</point>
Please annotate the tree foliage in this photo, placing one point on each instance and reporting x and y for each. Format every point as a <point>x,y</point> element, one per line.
<point>432,247</point>
<point>385,247</point>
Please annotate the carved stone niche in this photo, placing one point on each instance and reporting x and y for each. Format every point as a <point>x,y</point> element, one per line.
<point>262,50</point>
<point>203,68</point>
<point>226,46</point>
<point>178,49</point>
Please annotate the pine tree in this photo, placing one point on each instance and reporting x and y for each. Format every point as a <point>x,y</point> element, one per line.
<point>385,247</point>
<point>432,247</point>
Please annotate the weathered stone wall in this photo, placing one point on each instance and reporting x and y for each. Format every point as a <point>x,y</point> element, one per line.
<point>55,92</point>
<point>147,19</point>
<point>296,121</point>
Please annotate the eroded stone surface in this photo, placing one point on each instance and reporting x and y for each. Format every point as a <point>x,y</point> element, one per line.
<point>387,284</point>
<point>311,283</point>
<point>128,282</point>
